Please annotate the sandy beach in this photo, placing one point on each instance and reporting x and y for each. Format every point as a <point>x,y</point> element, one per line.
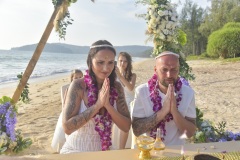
<point>216,86</point>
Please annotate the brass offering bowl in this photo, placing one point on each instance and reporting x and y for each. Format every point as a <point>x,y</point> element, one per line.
<point>145,145</point>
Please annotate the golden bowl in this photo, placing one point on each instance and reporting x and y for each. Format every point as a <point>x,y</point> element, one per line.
<point>145,145</point>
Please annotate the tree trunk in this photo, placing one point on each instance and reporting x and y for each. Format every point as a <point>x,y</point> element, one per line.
<point>35,57</point>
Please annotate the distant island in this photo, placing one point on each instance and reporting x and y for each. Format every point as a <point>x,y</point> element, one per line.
<point>134,50</point>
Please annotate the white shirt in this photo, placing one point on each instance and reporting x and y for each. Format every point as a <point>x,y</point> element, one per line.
<point>143,107</point>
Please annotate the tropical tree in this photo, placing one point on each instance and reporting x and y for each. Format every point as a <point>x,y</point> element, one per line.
<point>190,19</point>
<point>225,42</point>
<point>220,13</point>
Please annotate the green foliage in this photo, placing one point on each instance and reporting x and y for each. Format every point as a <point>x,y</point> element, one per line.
<point>5,99</point>
<point>185,70</point>
<point>57,2</point>
<point>204,56</point>
<point>63,24</point>
<point>181,37</point>
<point>232,25</point>
<point>63,16</point>
<point>220,13</point>
<point>225,42</point>
<point>191,18</point>
<point>24,95</point>
<point>199,118</point>
<point>207,131</point>
<point>21,142</point>
<point>232,59</point>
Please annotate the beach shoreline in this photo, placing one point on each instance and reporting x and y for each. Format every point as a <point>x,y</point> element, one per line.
<point>216,95</point>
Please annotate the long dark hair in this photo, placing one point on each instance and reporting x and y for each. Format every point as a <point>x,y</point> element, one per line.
<point>128,75</point>
<point>92,53</point>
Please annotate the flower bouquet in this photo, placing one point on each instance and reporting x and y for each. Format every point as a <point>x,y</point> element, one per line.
<point>11,140</point>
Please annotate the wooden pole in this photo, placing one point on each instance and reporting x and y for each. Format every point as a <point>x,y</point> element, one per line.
<point>32,63</point>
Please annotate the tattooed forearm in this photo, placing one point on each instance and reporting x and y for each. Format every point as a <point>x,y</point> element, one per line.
<point>72,120</point>
<point>121,102</point>
<point>143,125</point>
<point>81,119</point>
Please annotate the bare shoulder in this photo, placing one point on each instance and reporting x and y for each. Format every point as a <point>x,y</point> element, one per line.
<point>77,85</point>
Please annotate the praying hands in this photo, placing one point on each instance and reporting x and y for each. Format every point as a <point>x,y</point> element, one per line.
<point>169,102</point>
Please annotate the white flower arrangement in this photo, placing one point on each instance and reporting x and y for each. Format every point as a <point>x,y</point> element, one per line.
<point>162,21</point>
<point>162,24</point>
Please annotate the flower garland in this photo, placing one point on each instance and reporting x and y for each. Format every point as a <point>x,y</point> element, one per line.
<point>103,123</point>
<point>157,103</point>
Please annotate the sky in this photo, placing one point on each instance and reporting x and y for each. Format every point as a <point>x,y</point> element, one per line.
<point>24,21</point>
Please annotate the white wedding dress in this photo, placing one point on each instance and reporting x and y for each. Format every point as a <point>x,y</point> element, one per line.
<point>85,139</point>
<point>59,135</point>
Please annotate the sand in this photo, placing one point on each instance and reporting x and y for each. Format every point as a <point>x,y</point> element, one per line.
<point>216,85</point>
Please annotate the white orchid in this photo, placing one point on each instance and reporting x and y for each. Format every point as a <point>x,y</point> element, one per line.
<point>162,22</point>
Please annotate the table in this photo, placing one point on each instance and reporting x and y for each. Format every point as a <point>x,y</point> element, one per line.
<point>171,151</point>
<point>132,154</point>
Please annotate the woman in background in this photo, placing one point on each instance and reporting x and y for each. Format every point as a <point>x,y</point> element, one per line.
<point>59,135</point>
<point>128,81</point>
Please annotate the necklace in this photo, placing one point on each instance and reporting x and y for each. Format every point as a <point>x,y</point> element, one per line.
<point>157,103</point>
<point>103,123</point>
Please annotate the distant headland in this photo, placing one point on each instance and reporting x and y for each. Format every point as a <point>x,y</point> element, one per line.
<point>134,50</point>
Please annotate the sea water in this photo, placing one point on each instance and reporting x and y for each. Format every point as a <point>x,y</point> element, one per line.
<point>13,63</point>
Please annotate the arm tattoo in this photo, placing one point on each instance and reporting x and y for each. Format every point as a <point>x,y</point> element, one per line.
<point>80,120</point>
<point>143,125</point>
<point>121,101</point>
<point>74,98</point>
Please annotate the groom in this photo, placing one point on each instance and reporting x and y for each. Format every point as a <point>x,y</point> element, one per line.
<point>165,102</point>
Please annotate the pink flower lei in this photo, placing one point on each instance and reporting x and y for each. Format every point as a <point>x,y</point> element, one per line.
<point>103,123</point>
<point>157,105</point>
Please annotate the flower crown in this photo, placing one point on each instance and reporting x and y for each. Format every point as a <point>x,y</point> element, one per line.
<point>102,45</point>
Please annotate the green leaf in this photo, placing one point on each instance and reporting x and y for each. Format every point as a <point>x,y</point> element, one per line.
<point>5,99</point>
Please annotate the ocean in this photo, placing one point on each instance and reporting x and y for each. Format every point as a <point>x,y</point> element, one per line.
<point>13,63</point>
